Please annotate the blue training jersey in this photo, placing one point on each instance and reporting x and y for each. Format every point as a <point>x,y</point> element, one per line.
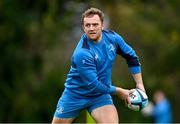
<point>91,64</point>
<point>162,112</point>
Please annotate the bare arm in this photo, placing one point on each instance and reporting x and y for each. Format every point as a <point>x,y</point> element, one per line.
<point>139,82</point>
<point>124,93</point>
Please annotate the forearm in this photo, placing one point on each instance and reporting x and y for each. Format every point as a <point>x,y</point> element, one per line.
<point>99,87</point>
<point>139,82</point>
<point>122,93</point>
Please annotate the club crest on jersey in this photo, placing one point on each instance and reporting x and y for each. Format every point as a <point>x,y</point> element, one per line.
<point>83,61</point>
<point>60,110</point>
<point>111,48</point>
<point>96,56</point>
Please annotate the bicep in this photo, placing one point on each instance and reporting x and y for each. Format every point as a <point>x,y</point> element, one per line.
<point>86,67</point>
<point>87,71</point>
<point>127,52</point>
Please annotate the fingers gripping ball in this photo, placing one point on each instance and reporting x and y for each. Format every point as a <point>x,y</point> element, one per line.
<point>138,99</point>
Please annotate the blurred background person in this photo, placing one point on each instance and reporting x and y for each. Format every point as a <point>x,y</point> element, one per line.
<point>160,111</point>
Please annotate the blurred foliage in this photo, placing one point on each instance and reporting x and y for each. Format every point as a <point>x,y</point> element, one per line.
<point>37,38</point>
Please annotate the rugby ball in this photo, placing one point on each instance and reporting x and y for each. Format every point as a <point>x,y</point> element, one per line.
<point>138,99</point>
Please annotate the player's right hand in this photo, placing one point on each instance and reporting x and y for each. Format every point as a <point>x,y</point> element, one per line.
<point>123,94</point>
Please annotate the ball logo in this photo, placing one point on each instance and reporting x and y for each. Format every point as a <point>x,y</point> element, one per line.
<point>138,99</point>
<point>133,96</point>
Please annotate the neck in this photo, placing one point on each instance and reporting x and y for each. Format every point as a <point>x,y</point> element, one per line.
<point>99,39</point>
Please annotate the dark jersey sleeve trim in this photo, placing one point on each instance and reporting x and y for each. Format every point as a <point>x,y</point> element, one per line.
<point>85,43</point>
<point>131,60</point>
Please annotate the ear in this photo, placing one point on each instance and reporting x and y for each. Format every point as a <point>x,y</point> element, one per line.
<point>82,27</point>
<point>102,26</point>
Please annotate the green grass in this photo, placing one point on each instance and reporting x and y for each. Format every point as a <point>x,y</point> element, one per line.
<point>89,119</point>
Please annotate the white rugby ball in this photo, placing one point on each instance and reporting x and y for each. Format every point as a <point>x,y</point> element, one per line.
<point>139,100</point>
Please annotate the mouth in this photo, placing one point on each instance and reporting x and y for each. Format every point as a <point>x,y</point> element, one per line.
<point>92,33</point>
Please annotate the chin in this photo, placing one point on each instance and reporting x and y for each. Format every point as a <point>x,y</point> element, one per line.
<point>94,39</point>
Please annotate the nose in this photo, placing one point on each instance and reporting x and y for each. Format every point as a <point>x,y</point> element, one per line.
<point>91,27</point>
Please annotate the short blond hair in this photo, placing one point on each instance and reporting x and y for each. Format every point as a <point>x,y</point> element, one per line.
<point>92,11</point>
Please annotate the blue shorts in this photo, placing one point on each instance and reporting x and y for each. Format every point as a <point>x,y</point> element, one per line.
<point>70,107</point>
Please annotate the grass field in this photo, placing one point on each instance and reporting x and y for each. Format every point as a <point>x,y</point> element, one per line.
<point>89,119</point>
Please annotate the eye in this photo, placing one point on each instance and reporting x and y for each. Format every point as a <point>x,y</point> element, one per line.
<point>95,24</point>
<point>87,25</point>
